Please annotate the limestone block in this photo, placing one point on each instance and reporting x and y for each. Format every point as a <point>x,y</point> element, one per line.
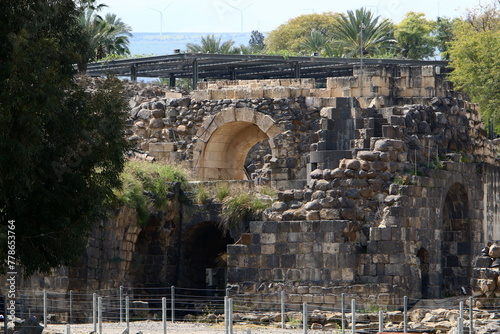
<point>244,115</point>
<point>200,95</point>
<point>277,92</point>
<point>264,122</point>
<point>331,83</point>
<point>161,147</point>
<point>494,251</point>
<point>428,71</point>
<point>219,94</point>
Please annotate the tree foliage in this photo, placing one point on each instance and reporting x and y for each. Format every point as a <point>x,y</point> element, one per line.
<point>291,35</point>
<point>475,61</point>
<point>212,44</point>
<point>414,36</point>
<point>256,42</point>
<point>61,138</point>
<point>443,33</point>
<point>105,36</point>
<point>377,34</point>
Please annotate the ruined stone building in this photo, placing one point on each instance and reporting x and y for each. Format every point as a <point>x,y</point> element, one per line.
<point>389,195</point>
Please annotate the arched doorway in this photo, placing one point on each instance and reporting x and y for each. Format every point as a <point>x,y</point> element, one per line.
<point>205,257</point>
<point>225,140</point>
<point>456,242</point>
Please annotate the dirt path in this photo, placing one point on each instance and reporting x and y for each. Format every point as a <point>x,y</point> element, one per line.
<point>155,327</point>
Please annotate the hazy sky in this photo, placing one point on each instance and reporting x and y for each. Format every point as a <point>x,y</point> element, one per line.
<point>262,15</point>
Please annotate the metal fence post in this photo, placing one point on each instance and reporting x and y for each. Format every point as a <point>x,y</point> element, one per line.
<point>94,311</point>
<point>226,315</point>
<point>68,329</point>
<point>70,306</point>
<point>230,301</point>
<point>99,314</point>
<point>461,308</point>
<point>121,304</point>
<point>127,311</point>
<point>45,308</point>
<point>471,316</point>
<point>164,314</point>
<point>283,309</point>
<point>172,302</point>
<point>380,321</point>
<point>343,313</point>
<point>353,315</point>
<point>460,325</point>
<point>405,325</point>
<point>304,317</point>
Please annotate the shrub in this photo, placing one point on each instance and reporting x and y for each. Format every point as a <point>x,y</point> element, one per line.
<point>245,206</point>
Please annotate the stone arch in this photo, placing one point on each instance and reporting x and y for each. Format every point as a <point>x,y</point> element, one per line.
<point>224,140</point>
<point>204,245</point>
<point>456,244</point>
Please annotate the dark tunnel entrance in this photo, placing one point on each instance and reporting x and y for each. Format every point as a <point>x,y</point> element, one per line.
<point>205,258</point>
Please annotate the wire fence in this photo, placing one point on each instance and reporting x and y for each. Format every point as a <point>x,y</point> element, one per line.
<point>127,307</point>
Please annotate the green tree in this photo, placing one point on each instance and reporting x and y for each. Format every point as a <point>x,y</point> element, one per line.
<point>291,35</point>
<point>319,43</point>
<point>106,36</point>
<point>61,138</point>
<point>443,32</point>
<point>211,44</point>
<point>377,36</point>
<point>414,36</point>
<point>475,61</point>
<point>256,42</point>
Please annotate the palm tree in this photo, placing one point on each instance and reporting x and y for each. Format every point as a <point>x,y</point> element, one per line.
<point>377,36</point>
<point>211,44</point>
<point>318,42</point>
<point>105,36</point>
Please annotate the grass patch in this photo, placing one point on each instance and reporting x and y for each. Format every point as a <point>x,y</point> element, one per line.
<point>238,208</point>
<point>146,186</point>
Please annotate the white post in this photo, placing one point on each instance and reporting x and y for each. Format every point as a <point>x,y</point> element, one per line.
<point>461,308</point>
<point>405,325</point>
<point>343,313</point>
<point>94,311</point>
<point>283,309</point>
<point>380,322</point>
<point>127,311</point>
<point>99,314</point>
<point>68,329</point>
<point>226,315</point>
<point>353,315</point>
<point>121,304</point>
<point>70,306</point>
<point>172,302</point>
<point>460,325</point>
<point>230,300</point>
<point>45,308</point>
<point>471,317</point>
<point>164,314</point>
<point>304,317</point>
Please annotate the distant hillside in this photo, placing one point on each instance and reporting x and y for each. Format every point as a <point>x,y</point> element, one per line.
<point>148,43</point>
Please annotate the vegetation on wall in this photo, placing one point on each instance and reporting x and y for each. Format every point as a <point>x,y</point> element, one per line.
<point>147,187</point>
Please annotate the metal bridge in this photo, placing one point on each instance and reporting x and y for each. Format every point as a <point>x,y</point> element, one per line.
<point>239,67</point>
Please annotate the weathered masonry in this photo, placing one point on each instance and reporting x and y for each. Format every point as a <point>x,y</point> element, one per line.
<point>390,194</point>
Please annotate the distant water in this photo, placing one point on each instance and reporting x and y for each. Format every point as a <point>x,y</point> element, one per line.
<point>149,44</point>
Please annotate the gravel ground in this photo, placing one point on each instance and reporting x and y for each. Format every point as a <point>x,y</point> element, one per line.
<point>155,327</point>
